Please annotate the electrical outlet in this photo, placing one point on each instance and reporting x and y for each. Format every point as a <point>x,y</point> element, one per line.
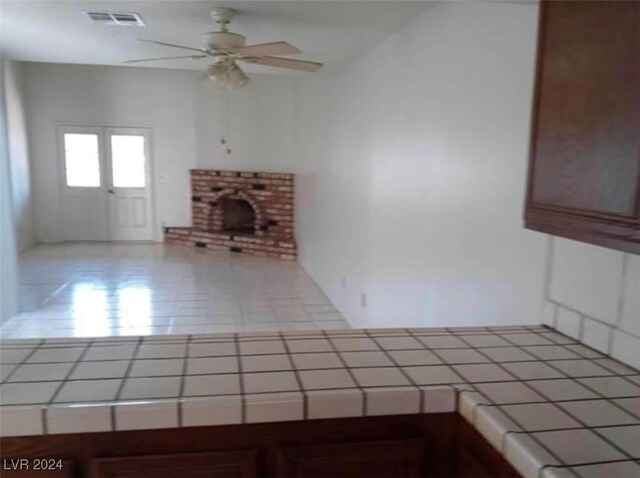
<point>343,282</point>
<point>363,300</point>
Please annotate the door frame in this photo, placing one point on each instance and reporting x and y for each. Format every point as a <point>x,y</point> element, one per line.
<point>148,130</point>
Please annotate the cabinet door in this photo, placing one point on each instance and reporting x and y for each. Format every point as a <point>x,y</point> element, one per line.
<point>384,459</point>
<point>477,458</point>
<point>584,177</point>
<point>228,464</point>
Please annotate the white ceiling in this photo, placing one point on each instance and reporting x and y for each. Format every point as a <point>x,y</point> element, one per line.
<point>329,31</point>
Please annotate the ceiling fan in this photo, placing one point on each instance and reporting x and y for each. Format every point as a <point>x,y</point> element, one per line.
<point>226,48</point>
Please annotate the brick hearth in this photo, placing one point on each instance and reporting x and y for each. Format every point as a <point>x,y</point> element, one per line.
<point>270,196</point>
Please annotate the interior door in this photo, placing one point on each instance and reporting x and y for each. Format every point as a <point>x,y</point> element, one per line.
<point>129,192</point>
<point>85,216</point>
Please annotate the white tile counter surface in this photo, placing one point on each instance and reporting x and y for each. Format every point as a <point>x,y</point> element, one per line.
<point>551,406</point>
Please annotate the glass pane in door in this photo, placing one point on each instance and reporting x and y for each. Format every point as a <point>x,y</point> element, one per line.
<point>81,160</point>
<point>128,160</point>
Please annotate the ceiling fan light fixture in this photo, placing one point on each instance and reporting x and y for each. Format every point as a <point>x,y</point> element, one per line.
<point>236,77</point>
<point>226,74</point>
<point>216,75</point>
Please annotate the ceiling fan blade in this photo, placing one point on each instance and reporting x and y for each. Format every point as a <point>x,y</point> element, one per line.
<point>173,45</point>
<point>274,48</point>
<point>190,57</point>
<point>300,65</point>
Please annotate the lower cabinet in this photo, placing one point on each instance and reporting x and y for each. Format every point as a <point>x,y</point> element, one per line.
<point>385,459</point>
<point>476,457</point>
<point>408,446</point>
<point>229,464</point>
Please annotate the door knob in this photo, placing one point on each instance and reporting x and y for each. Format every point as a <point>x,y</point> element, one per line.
<point>111,191</point>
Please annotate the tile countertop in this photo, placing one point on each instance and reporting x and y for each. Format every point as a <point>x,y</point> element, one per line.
<point>553,407</point>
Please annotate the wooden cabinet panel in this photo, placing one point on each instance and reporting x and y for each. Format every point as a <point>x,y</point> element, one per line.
<point>226,464</point>
<point>386,459</point>
<point>584,175</point>
<point>477,458</point>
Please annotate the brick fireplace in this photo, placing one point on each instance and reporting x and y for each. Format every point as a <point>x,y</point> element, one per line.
<point>250,213</point>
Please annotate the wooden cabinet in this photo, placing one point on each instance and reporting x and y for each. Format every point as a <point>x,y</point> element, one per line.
<point>584,172</point>
<point>476,457</point>
<point>405,446</point>
<point>386,459</point>
<point>228,464</point>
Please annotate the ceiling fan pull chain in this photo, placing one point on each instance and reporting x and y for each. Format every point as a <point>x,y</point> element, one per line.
<point>223,140</point>
<point>228,110</point>
<point>224,119</point>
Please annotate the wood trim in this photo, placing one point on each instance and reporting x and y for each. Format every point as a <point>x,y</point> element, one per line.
<point>624,220</point>
<point>605,234</point>
<point>535,101</point>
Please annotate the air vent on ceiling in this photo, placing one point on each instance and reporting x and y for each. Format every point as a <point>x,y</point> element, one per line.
<point>112,18</point>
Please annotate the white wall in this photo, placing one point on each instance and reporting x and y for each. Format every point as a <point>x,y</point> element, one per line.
<point>8,240</point>
<point>185,121</point>
<point>258,126</point>
<point>413,176</point>
<point>13,81</point>
<point>162,100</point>
<point>593,294</point>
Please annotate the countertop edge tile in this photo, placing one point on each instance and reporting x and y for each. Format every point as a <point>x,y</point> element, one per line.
<point>526,455</point>
<point>146,415</point>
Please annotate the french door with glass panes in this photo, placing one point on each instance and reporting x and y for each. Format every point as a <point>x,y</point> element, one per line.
<point>105,183</point>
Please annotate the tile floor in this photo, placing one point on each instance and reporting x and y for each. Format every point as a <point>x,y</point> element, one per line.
<point>91,290</point>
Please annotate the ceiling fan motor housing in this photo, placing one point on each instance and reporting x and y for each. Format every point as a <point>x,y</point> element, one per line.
<point>224,41</point>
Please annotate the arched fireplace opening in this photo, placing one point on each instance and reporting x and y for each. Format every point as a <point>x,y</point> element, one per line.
<point>238,216</point>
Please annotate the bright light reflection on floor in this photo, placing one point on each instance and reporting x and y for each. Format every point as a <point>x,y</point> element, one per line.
<point>89,310</point>
<point>134,303</point>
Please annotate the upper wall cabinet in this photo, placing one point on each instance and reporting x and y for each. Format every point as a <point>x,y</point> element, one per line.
<point>584,170</point>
